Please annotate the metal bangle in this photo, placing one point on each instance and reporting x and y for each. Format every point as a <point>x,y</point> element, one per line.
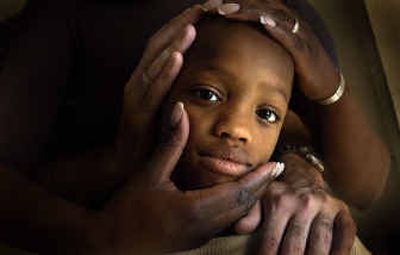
<point>338,93</point>
<point>306,153</point>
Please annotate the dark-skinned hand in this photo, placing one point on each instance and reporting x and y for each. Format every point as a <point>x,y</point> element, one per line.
<point>149,215</point>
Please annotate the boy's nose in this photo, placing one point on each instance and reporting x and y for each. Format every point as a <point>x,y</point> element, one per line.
<point>234,129</point>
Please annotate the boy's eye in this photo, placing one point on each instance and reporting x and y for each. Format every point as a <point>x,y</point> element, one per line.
<point>267,115</point>
<point>206,94</point>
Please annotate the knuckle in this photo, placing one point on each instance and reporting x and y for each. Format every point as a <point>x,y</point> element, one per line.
<point>296,249</point>
<point>271,243</point>
<point>306,199</point>
<point>296,229</point>
<point>325,225</point>
<point>167,74</point>
<point>283,201</point>
<point>245,198</point>
<point>308,202</point>
<point>279,200</point>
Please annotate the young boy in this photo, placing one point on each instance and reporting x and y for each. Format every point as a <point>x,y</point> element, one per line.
<point>235,85</point>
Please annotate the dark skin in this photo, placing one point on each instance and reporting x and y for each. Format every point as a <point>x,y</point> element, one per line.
<point>236,99</point>
<point>235,86</point>
<point>80,226</point>
<point>92,227</point>
<point>360,175</point>
<point>85,231</point>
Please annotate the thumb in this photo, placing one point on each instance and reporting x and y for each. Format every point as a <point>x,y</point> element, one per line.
<point>171,146</point>
<point>226,203</point>
<point>258,180</point>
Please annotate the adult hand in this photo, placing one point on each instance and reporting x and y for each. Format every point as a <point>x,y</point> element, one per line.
<point>299,216</point>
<point>150,215</point>
<point>317,75</point>
<point>149,84</point>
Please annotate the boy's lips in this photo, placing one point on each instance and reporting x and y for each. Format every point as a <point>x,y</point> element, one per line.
<point>228,162</point>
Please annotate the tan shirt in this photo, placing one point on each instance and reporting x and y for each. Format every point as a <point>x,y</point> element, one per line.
<point>245,245</point>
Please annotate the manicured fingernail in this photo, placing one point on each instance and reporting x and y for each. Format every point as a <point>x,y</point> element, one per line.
<point>203,8</point>
<point>278,170</point>
<point>177,113</point>
<point>228,8</point>
<point>211,4</point>
<point>166,54</point>
<point>267,20</point>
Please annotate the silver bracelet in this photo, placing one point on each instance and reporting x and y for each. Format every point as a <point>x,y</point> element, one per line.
<point>306,153</point>
<point>338,93</point>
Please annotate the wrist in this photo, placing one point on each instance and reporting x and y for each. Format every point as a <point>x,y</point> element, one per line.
<point>299,173</point>
<point>304,151</point>
<point>337,94</point>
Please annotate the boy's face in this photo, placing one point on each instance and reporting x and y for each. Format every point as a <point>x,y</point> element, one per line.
<point>236,85</point>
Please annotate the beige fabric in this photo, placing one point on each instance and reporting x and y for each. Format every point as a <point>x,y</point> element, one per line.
<point>232,245</point>
<point>245,245</point>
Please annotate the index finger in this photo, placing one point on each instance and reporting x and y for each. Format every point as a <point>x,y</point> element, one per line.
<point>224,204</point>
<point>167,33</point>
<point>280,23</point>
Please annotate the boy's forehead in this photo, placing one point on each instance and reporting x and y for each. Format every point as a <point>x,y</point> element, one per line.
<point>235,51</point>
<point>225,39</point>
<point>215,33</point>
<point>217,36</point>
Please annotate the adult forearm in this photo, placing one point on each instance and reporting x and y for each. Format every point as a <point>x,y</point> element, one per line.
<point>36,220</point>
<point>298,172</point>
<point>84,178</point>
<point>357,160</point>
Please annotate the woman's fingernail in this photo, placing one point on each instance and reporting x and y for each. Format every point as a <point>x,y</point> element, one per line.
<point>210,5</point>
<point>278,170</point>
<point>203,8</point>
<point>177,113</point>
<point>267,20</point>
<point>228,8</point>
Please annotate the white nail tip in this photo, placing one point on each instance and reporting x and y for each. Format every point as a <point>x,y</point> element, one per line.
<point>278,170</point>
<point>228,8</point>
<point>266,20</point>
<point>211,4</point>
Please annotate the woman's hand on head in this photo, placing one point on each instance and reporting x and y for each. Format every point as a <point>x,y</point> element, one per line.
<point>299,217</point>
<point>150,215</point>
<point>317,75</point>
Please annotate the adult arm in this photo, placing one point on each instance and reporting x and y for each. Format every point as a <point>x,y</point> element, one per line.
<point>35,219</point>
<point>299,214</point>
<point>356,159</point>
<point>29,212</point>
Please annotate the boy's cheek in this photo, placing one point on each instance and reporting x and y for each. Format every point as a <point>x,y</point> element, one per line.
<point>265,147</point>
